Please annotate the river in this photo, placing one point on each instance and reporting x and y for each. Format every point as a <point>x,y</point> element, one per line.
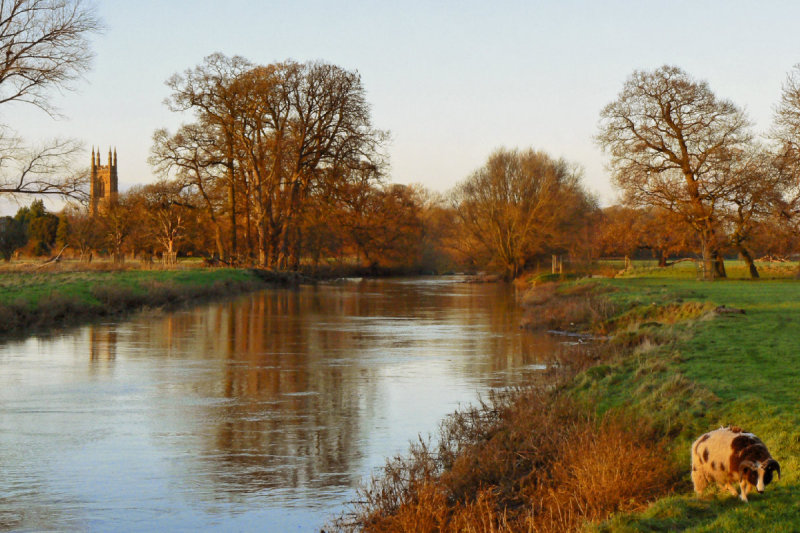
<point>261,413</point>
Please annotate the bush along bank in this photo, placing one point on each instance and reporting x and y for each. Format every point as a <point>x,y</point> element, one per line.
<point>38,302</point>
<point>607,431</point>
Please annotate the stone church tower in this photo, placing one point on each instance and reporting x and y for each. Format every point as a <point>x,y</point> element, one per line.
<point>103,188</point>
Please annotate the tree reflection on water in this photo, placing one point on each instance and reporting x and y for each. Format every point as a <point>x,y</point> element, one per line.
<point>278,400</point>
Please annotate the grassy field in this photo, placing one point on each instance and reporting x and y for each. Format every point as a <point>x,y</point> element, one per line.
<point>719,369</point>
<point>735,269</point>
<point>32,301</point>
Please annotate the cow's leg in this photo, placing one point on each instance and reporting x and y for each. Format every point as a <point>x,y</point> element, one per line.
<point>699,480</point>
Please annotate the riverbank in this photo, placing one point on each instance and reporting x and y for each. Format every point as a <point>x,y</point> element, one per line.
<point>612,434</point>
<point>42,301</point>
<point>718,369</point>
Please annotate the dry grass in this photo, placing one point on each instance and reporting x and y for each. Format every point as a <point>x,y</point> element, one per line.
<point>577,308</point>
<point>534,459</point>
<point>529,460</point>
<point>95,266</point>
<point>666,314</point>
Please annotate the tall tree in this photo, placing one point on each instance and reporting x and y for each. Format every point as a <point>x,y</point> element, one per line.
<point>163,209</point>
<point>668,136</point>
<point>207,91</point>
<point>786,132</point>
<point>786,128</point>
<point>519,205</point>
<point>287,126</point>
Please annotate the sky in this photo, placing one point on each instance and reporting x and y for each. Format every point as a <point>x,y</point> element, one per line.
<point>451,81</point>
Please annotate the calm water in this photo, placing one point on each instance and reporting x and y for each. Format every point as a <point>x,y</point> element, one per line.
<point>258,414</point>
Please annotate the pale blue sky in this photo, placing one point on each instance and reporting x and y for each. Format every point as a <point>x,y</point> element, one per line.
<point>452,81</point>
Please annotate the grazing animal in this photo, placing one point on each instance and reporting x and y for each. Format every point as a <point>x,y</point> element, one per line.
<point>729,455</point>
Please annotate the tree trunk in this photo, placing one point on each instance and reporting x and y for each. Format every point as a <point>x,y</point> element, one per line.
<point>719,265</point>
<point>708,263</point>
<point>248,229</point>
<point>296,250</point>
<point>748,260</point>
<point>264,258</point>
<point>232,206</point>
<point>218,241</point>
<point>713,262</point>
<point>288,225</point>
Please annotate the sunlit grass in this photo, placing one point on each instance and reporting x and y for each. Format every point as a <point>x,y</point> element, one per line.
<point>47,299</point>
<point>735,269</point>
<point>731,369</point>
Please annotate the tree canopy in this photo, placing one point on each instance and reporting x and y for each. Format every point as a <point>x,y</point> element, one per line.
<point>670,138</point>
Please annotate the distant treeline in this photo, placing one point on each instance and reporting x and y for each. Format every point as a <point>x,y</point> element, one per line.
<point>281,167</point>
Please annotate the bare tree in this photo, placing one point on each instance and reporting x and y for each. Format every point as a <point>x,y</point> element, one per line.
<point>786,129</point>
<point>756,193</point>
<point>163,209</point>
<point>116,222</point>
<point>84,235</point>
<point>44,45</point>
<point>294,123</point>
<point>519,205</point>
<point>41,170</point>
<point>668,136</point>
<point>207,91</point>
<point>192,156</point>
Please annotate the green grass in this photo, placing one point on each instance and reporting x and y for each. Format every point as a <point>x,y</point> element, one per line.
<point>32,287</point>
<point>712,371</point>
<point>735,269</point>
<point>36,301</point>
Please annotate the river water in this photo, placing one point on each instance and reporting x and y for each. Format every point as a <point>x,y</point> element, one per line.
<point>261,413</point>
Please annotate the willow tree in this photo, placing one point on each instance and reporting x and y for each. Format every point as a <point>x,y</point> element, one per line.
<point>669,137</point>
<point>519,205</point>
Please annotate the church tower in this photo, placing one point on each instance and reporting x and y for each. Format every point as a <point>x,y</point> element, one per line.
<point>103,186</point>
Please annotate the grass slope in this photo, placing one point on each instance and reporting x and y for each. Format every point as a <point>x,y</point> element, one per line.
<point>730,369</point>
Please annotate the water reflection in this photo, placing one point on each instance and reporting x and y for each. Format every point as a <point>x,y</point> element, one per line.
<point>269,407</point>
